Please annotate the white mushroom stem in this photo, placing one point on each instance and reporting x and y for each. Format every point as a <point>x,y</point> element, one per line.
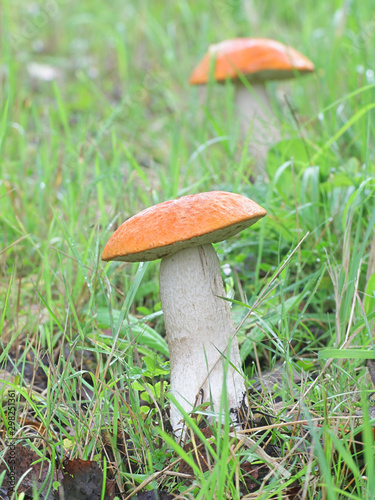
<point>258,119</point>
<point>199,327</point>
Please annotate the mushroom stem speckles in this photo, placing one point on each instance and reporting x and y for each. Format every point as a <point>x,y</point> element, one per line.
<point>199,330</point>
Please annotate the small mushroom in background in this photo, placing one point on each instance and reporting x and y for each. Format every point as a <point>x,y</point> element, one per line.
<point>258,60</point>
<point>198,322</point>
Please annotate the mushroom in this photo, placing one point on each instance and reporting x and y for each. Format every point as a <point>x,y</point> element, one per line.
<point>258,60</point>
<point>199,328</point>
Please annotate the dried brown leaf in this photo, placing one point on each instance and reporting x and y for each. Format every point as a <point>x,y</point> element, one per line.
<point>83,480</point>
<point>21,459</point>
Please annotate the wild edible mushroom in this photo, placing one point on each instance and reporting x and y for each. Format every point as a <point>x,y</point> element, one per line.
<point>258,60</point>
<point>198,322</point>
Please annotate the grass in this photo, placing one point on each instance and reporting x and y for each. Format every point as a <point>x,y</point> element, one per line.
<point>119,129</point>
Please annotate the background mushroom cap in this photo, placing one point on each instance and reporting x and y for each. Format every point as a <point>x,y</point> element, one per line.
<point>258,59</point>
<point>191,220</point>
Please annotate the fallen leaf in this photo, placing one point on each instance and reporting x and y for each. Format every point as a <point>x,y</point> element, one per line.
<point>198,452</point>
<point>83,480</point>
<point>21,459</point>
<point>153,495</point>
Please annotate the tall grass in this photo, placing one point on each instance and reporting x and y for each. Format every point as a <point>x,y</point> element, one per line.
<point>118,129</point>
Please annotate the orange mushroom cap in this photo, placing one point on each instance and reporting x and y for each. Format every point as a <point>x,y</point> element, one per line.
<point>256,58</point>
<point>191,220</point>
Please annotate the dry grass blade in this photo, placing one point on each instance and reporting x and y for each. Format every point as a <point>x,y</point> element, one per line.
<point>14,243</point>
<point>272,462</point>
